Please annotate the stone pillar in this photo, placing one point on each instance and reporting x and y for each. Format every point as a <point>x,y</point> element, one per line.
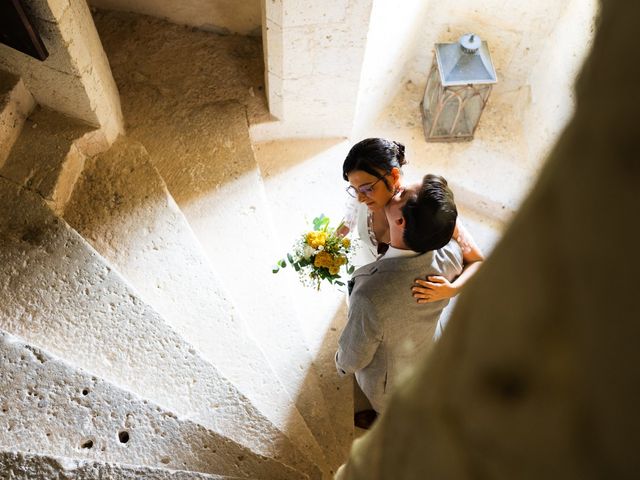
<point>313,59</point>
<point>76,78</point>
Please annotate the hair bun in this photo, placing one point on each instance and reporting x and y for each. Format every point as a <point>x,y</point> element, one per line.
<point>400,155</point>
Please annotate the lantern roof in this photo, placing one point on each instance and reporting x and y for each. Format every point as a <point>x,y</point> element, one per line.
<point>464,62</point>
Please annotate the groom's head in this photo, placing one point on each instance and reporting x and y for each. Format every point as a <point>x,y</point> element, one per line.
<point>422,217</point>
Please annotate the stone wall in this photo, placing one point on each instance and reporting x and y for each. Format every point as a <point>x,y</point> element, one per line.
<point>523,39</point>
<point>550,84</point>
<point>76,78</point>
<point>220,16</point>
<point>391,46</point>
<point>537,373</point>
<point>314,53</point>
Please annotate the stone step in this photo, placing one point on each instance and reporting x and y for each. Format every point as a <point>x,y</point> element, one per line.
<point>52,408</point>
<point>205,157</point>
<point>61,295</point>
<point>49,155</point>
<point>16,103</point>
<point>30,466</point>
<point>122,207</point>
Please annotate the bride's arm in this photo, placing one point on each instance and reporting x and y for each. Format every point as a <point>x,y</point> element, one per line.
<point>437,287</point>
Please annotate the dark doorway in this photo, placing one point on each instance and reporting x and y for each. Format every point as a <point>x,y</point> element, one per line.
<point>17,31</point>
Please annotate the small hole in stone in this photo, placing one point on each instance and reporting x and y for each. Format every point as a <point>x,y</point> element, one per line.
<point>165,460</point>
<point>240,458</point>
<point>87,444</point>
<point>85,392</point>
<point>123,436</point>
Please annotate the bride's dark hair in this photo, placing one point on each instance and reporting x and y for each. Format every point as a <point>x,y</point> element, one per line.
<point>376,156</point>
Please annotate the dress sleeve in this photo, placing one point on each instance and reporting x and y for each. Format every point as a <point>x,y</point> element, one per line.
<point>360,338</point>
<point>351,214</point>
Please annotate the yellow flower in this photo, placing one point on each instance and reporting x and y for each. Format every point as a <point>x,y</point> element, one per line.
<point>334,270</point>
<point>323,259</point>
<point>316,239</point>
<point>341,260</point>
<point>346,243</point>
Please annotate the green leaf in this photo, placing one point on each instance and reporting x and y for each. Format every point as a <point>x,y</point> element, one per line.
<point>337,282</point>
<point>290,258</point>
<point>282,263</point>
<point>297,267</point>
<point>321,222</point>
<point>351,269</point>
<point>275,270</point>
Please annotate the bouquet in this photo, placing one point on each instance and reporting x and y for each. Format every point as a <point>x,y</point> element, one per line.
<point>319,255</point>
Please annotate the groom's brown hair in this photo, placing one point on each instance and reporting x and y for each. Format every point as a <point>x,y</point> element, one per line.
<point>430,215</point>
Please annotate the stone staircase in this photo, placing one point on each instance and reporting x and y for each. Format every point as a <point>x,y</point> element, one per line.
<point>128,343</point>
<point>142,333</point>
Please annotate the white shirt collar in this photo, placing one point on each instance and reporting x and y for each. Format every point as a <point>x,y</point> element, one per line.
<point>393,252</point>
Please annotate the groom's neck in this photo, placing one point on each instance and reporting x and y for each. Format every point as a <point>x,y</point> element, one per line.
<point>396,240</point>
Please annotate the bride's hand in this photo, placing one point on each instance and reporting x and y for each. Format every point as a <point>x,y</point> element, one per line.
<point>342,230</point>
<point>433,289</point>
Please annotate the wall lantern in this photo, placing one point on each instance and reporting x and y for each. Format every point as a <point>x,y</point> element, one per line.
<point>457,90</point>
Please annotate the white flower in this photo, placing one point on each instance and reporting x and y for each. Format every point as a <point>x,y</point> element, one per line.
<point>308,251</point>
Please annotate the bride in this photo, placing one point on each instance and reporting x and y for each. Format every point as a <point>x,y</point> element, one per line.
<point>373,168</point>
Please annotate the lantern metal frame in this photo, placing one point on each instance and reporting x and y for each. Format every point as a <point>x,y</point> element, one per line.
<point>461,102</point>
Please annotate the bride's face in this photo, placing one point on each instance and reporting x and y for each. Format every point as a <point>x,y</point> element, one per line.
<point>374,191</point>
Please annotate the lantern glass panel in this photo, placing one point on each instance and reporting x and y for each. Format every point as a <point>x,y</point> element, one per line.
<point>471,115</point>
<point>447,115</point>
<point>433,89</point>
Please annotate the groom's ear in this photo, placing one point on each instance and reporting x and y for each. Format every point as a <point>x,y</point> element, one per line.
<point>400,221</point>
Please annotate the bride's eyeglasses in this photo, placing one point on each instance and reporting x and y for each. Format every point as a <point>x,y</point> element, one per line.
<point>366,189</point>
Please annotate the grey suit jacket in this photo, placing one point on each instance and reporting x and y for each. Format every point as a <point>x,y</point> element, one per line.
<point>386,329</point>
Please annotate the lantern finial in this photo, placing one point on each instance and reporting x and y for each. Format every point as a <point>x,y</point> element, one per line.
<point>470,43</point>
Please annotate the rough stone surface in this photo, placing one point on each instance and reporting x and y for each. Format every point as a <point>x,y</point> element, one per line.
<point>537,375</point>
<point>26,466</point>
<point>75,79</point>
<point>122,207</point>
<point>221,16</point>
<point>314,59</point>
<point>51,408</point>
<point>158,65</point>
<point>58,293</point>
<point>47,158</point>
<point>16,103</point>
<point>200,145</point>
<point>218,188</point>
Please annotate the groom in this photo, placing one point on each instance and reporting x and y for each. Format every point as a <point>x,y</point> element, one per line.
<point>386,329</point>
